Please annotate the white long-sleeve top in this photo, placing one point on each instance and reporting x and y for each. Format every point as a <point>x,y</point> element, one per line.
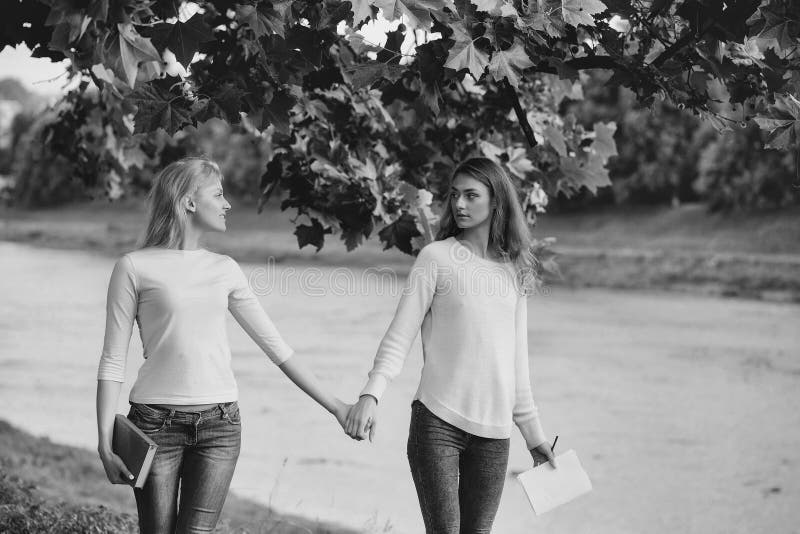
<point>179,298</point>
<point>473,322</point>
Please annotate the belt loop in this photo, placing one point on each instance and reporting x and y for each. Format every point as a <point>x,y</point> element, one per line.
<point>170,416</point>
<point>223,409</point>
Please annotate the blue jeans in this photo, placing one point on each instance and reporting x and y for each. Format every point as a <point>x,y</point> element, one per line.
<point>197,451</point>
<point>459,476</point>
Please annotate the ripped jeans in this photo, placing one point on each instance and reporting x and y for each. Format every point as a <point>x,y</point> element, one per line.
<point>197,451</point>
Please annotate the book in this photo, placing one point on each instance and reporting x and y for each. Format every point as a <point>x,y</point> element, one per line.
<point>548,487</point>
<point>135,448</point>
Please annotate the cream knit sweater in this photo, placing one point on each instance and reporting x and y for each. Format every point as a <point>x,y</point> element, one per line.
<point>474,327</point>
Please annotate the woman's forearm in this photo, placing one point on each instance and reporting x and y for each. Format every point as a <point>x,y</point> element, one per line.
<point>107,398</point>
<point>302,376</point>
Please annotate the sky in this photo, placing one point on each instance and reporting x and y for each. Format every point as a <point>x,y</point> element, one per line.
<point>36,74</point>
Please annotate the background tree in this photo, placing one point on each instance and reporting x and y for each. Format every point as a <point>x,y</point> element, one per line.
<point>363,134</point>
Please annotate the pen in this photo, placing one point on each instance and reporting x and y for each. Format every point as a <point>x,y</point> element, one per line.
<point>553,446</point>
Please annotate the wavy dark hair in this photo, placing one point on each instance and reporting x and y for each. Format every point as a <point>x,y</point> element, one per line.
<point>509,235</point>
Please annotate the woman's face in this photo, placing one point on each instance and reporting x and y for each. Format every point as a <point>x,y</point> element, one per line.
<point>210,206</point>
<point>471,202</point>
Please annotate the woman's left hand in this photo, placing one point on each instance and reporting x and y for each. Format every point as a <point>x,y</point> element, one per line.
<point>340,411</point>
<point>543,453</point>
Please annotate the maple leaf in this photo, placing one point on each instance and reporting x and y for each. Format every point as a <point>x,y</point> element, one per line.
<point>98,10</point>
<point>489,6</point>
<point>362,9</point>
<point>589,173</point>
<point>417,12</point>
<point>543,22</point>
<point>515,158</point>
<point>603,144</point>
<point>508,10</point>
<point>225,102</point>
<point>263,21</point>
<point>655,50</point>
<point>509,63</point>
<point>776,33</point>
<point>102,73</point>
<point>400,233</point>
<point>518,162</point>
<point>325,168</point>
<point>718,123</point>
<point>556,139</point>
<point>464,55</point>
<point>431,94</point>
<point>277,111</point>
<point>561,89</point>
<point>496,7</point>
<point>158,108</point>
<point>182,38</point>
<point>575,12</point>
<point>358,42</point>
<point>784,123</point>
<point>313,235</point>
<point>364,169</point>
<point>316,109</point>
<point>132,49</point>
<point>367,74</point>
<point>781,132</point>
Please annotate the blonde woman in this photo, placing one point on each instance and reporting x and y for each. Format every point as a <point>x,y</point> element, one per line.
<point>185,395</point>
<point>466,294</point>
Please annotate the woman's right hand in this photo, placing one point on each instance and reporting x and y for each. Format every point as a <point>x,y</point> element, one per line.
<point>362,417</point>
<point>115,468</point>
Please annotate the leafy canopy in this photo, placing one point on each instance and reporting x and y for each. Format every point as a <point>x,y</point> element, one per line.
<point>363,132</point>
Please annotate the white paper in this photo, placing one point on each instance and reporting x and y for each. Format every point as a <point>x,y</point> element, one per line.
<point>548,487</point>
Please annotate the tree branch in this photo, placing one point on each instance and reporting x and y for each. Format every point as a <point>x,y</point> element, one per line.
<point>742,9</point>
<point>586,63</point>
<point>521,116</point>
<point>678,45</point>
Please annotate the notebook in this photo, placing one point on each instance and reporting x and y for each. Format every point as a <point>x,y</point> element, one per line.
<point>134,447</point>
<point>548,487</point>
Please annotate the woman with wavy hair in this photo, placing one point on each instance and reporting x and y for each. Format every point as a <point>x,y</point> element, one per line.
<point>467,295</point>
<point>185,395</point>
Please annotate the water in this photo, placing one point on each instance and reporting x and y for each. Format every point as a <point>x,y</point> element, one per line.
<point>683,409</point>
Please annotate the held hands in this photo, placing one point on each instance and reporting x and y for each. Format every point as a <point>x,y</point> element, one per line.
<point>115,468</point>
<point>543,453</point>
<point>362,418</point>
<point>340,411</point>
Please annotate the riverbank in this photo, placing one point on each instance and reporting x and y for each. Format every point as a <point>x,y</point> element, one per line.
<point>50,488</point>
<point>651,389</point>
<point>683,249</point>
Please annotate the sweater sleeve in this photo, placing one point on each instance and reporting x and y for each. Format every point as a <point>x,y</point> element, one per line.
<point>525,414</point>
<point>247,310</point>
<point>121,306</point>
<point>414,304</point>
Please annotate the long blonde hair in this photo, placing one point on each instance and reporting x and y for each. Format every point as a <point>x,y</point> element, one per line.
<point>509,236</point>
<point>166,217</point>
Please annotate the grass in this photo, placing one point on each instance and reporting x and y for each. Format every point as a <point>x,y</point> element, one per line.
<point>688,229</point>
<point>754,255</point>
<point>49,488</point>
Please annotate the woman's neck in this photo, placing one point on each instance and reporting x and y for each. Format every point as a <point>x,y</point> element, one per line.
<point>477,238</point>
<point>191,238</point>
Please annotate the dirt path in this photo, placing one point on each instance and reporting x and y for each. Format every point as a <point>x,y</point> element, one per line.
<point>683,408</point>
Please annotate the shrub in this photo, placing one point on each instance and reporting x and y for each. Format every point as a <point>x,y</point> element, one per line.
<point>736,172</point>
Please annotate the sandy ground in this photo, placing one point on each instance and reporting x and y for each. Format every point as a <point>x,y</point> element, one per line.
<point>683,409</point>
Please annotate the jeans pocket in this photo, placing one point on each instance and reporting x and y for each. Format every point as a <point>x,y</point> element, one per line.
<point>146,422</point>
<point>232,414</point>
